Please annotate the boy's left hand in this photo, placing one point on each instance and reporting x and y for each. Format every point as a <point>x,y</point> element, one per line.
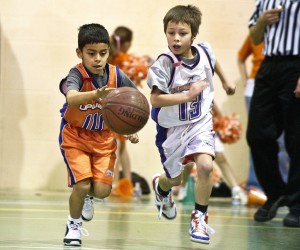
<point>134,138</point>
<point>229,88</point>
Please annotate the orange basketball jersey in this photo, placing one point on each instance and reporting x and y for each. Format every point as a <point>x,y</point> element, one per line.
<point>88,115</point>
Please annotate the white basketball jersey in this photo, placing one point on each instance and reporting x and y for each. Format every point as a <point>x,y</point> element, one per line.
<point>182,77</point>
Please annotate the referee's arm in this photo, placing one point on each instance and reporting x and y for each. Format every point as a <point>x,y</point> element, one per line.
<point>269,17</point>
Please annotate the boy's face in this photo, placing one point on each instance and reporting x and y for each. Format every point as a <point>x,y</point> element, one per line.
<point>179,37</point>
<point>94,57</point>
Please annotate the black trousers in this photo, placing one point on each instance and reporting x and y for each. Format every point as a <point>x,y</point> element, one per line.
<point>274,109</point>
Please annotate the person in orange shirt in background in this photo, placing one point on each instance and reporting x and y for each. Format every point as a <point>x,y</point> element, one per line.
<point>136,69</point>
<point>256,51</point>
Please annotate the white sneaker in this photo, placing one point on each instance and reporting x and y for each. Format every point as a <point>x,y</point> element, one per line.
<point>182,192</point>
<point>239,196</point>
<point>165,205</point>
<point>73,233</point>
<point>87,213</point>
<point>199,229</point>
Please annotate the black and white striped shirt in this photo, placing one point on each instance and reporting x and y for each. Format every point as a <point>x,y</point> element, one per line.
<point>282,38</point>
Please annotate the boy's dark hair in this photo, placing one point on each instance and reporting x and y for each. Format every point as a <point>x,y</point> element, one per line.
<point>184,14</point>
<point>92,33</point>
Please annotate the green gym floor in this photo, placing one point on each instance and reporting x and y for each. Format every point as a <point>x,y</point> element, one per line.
<point>37,221</point>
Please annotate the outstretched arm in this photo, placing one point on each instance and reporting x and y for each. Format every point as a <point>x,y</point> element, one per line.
<point>75,97</point>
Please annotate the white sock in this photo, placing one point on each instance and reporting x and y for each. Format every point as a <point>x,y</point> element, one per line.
<point>79,220</point>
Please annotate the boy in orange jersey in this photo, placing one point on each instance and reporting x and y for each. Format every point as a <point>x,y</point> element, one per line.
<point>87,145</point>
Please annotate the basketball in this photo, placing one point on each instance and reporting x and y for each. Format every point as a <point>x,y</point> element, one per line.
<point>125,110</point>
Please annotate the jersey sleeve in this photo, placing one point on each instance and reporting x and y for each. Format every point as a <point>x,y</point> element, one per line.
<point>74,80</point>
<point>126,81</point>
<point>159,74</point>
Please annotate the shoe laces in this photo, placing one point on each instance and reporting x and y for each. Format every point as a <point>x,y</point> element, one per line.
<point>201,225</point>
<point>78,226</point>
<point>165,203</point>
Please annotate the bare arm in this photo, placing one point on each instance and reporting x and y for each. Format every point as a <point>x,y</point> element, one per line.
<point>243,70</point>
<point>75,97</point>
<point>160,99</point>
<point>227,86</point>
<point>269,17</point>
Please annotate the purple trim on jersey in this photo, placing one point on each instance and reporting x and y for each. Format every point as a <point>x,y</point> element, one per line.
<point>161,136</point>
<point>195,64</point>
<point>60,139</point>
<point>118,75</point>
<point>63,109</point>
<point>154,114</point>
<point>108,72</point>
<point>208,57</point>
<point>173,69</point>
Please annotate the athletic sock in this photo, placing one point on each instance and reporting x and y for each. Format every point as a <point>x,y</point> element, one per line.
<point>162,192</point>
<point>202,209</point>
<point>75,220</point>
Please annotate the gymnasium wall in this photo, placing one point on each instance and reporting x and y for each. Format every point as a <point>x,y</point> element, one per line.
<point>38,42</point>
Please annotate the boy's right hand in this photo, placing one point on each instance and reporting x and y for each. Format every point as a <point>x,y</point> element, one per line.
<point>102,92</point>
<point>196,88</point>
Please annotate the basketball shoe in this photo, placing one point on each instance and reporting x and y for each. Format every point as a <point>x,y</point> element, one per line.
<point>87,213</point>
<point>199,229</point>
<point>165,205</point>
<point>73,233</point>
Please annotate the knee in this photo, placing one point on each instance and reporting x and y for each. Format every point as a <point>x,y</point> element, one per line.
<point>205,168</point>
<point>82,187</point>
<point>103,191</point>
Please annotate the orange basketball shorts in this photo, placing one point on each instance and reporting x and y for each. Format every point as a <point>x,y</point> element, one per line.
<point>88,154</point>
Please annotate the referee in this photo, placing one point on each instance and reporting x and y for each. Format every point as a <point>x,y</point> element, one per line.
<point>275,106</point>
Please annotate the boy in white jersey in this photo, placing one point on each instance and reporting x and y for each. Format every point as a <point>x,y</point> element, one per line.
<point>182,96</point>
